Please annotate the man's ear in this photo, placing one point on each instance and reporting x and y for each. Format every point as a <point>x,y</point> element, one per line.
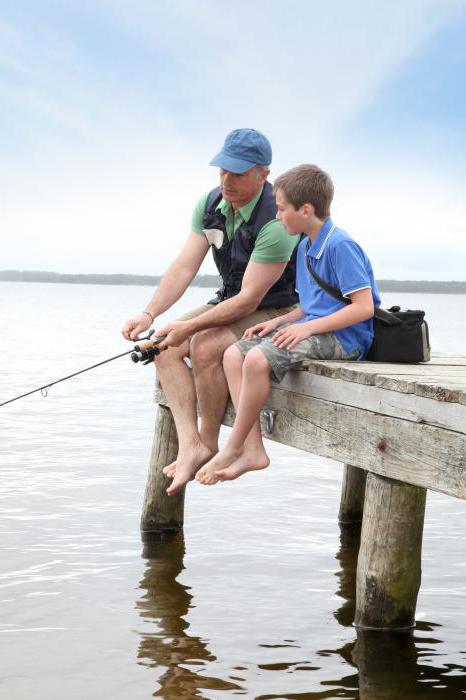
<point>262,174</point>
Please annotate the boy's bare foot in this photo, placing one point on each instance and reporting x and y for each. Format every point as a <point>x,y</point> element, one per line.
<point>223,459</point>
<point>248,461</point>
<point>170,470</point>
<point>187,464</point>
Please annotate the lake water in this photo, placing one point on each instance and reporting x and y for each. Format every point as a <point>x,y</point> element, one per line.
<point>254,601</point>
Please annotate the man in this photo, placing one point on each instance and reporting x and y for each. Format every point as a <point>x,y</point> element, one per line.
<point>251,250</point>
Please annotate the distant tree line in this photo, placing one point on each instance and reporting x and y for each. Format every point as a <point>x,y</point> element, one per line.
<point>425,286</point>
<point>97,278</point>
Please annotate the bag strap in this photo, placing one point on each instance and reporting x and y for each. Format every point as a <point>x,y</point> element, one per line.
<point>383,315</point>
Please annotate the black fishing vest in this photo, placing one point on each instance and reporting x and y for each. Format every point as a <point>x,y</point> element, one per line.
<point>232,257</point>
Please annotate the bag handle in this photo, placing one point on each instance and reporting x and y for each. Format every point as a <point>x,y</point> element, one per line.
<point>383,315</point>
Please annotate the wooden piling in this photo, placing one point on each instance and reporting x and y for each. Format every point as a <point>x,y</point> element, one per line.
<point>160,512</point>
<point>352,495</point>
<point>389,563</point>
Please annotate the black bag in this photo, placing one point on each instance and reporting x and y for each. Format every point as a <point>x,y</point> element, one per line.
<point>399,336</point>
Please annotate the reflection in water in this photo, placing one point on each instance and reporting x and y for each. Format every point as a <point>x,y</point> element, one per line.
<point>389,664</point>
<point>166,603</point>
<point>347,555</point>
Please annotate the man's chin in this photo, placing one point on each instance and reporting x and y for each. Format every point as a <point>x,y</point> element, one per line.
<point>230,196</point>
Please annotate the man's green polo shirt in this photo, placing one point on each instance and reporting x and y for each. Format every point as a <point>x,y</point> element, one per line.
<point>273,244</point>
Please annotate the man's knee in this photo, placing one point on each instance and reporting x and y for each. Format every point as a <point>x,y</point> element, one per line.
<point>207,347</point>
<point>171,355</point>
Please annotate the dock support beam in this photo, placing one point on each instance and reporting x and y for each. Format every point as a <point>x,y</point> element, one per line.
<point>352,495</point>
<point>389,563</point>
<point>160,512</point>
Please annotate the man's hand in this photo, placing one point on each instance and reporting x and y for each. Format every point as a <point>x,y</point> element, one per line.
<point>135,326</point>
<point>290,336</point>
<point>176,333</point>
<point>262,328</point>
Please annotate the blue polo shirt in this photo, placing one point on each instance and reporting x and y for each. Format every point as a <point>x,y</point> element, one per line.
<point>341,262</point>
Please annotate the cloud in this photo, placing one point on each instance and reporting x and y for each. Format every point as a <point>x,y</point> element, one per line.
<point>112,110</point>
<point>410,223</point>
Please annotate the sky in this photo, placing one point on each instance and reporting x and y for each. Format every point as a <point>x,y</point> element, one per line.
<point>110,111</point>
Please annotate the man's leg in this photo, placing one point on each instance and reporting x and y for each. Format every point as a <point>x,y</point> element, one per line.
<point>207,349</point>
<point>178,385</point>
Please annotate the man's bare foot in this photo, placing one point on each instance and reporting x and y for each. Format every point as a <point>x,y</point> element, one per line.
<point>222,460</point>
<point>187,464</point>
<point>248,461</point>
<point>170,469</point>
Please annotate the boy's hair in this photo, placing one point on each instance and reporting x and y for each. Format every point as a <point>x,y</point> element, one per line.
<point>307,184</point>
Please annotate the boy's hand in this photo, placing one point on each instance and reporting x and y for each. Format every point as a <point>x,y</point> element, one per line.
<point>290,336</point>
<point>262,328</point>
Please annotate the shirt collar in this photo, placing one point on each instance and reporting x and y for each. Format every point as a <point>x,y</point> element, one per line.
<point>318,245</point>
<point>245,211</point>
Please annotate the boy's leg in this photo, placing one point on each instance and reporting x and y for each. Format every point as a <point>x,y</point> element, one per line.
<point>244,449</point>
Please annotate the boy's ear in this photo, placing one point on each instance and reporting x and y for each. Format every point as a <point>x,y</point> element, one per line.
<point>308,210</point>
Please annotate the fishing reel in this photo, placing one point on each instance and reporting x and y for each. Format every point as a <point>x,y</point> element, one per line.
<point>147,349</point>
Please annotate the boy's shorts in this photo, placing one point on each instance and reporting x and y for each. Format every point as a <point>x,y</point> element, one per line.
<point>324,346</point>
<point>239,326</point>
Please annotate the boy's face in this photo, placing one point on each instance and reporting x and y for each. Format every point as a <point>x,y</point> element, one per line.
<point>292,219</point>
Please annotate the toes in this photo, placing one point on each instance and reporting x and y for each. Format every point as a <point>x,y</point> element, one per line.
<point>170,469</point>
<point>174,488</point>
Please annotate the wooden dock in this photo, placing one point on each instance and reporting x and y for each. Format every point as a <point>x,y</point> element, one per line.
<point>398,429</point>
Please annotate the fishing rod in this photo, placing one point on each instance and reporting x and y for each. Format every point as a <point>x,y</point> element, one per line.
<point>140,353</point>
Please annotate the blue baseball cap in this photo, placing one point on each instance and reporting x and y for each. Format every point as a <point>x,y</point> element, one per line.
<point>243,148</point>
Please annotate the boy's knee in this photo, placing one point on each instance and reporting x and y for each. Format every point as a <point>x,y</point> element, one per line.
<point>256,361</point>
<point>232,357</point>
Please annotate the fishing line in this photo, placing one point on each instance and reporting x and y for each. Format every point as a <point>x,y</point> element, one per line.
<point>138,354</point>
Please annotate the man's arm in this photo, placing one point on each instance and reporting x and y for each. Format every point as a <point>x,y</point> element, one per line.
<point>172,285</point>
<point>257,280</point>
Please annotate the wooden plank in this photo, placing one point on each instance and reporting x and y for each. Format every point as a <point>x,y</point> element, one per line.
<point>399,377</point>
<point>436,388</point>
<point>379,400</point>
<point>417,454</point>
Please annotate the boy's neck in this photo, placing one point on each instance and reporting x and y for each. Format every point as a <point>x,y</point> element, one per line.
<point>313,228</point>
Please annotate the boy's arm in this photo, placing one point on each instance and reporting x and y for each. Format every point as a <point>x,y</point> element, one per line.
<point>293,315</point>
<point>360,309</point>
<point>266,327</point>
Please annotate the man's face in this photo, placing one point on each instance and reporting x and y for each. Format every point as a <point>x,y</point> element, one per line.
<point>239,189</point>
<point>291,218</point>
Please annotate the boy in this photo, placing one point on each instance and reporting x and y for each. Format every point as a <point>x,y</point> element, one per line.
<point>320,327</point>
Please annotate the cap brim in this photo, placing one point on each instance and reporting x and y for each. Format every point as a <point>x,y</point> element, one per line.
<point>233,165</point>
